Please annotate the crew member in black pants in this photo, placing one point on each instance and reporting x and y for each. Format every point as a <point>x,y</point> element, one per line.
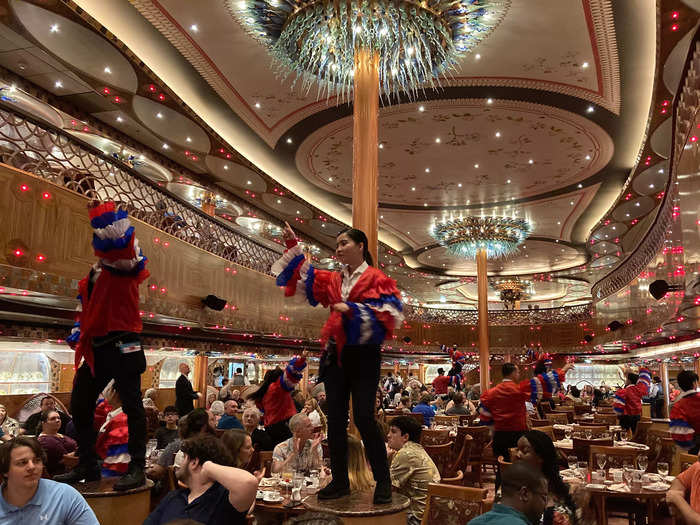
<point>106,340</point>
<point>365,309</point>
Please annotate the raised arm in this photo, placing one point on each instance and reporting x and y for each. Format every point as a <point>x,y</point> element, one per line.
<point>294,372</point>
<point>241,485</point>
<point>544,385</point>
<point>296,274</point>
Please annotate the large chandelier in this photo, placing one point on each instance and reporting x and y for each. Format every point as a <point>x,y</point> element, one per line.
<point>415,42</point>
<point>465,236</point>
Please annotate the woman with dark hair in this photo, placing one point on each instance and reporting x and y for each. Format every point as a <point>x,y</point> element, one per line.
<point>536,448</point>
<point>365,310</point>
<point>239,445</point>
<point>54,444</point>
<point>274,398</point>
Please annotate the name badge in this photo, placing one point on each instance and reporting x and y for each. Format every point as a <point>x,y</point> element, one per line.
<point>130,348</point>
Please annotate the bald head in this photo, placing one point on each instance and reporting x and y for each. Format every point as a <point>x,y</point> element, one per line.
<point>230,407</point>
<point>184,368</point>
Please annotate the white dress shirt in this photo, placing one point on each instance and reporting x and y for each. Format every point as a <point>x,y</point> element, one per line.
<point>349,281</point>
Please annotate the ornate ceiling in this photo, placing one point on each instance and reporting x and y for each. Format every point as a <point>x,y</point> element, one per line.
<point>545,120</point>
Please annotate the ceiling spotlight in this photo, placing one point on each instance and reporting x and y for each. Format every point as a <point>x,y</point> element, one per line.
<point>54,28</point>
<point>425,204</point>
<point>248,182</point>
<point>159,115</point>
<point>413,188</point>
<point>476,166</point>
<point>588,157</point>
<point>289,140</point>
<point>381,146</point>
<point>107,70</point>
<point>437,139</point>
<point>194,28</point>
<point>58,84</point>
<point>651,185</point>
<point>508,181</point>
<point>421,108</point>
<point>279,201</point>
<point>590,109</point>
<point>188,139</point>
<point>330,179</point>
<point>427,170</point>
<point>572,203</point>
<point>225,166</point>
<point>257,105</point>
<point>558,223</point>
<point>530,161</point>
<point>119,119</point>
<point>459,185</point>
<point>165,146</point>
<point>489,101</point>
<point>584,65</point>
<point>477,56</point>
<point>580,185</point>
<point>498,134</point>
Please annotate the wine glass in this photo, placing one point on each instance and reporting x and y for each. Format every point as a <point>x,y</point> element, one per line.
<point>589,433</point>
<point>567,433</point>
<point>572,462</point>
<point>601,460</point>
<point>662,468</point>
<point>623,435</point>
<point>627,476</point>
<point>643,462</point>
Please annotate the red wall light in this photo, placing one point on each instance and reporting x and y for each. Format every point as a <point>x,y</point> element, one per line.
<point>41,258</point>
<point>674,27</point>
<point>152,88</point>
<point>46,195</point>
<point>106,91</point>
<point>24,187</point>
<point>161,97</point>
<point>18,253</point>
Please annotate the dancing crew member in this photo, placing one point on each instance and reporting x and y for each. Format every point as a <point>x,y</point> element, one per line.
<point>685,413</point>
<point>628,400</point>
<point>503,406</point>
<point>274,398</point>
<point>106,339</point>
<point>365,309</point>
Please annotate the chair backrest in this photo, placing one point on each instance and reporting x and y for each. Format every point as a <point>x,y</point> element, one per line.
<point>442,457</point>
<point>462,452</point>
<point>481,437</point>
<point>535,423</point>
<point>445,502</point>
<point>605,408</point>
<point>596,431</point>
<point>417,416</point>
<point>33,405</point>
<point>582,409</point>
<point>434,437</point>
<point>582,447</point>
<point>568,410</point>
<point>686,460</point>
<point>266,461</point>
<point>661,448</point>
<point>640,435</point>
<point>549,430</point>
<point>557,418</point>
<point>605,419</point>
<point>616,456</point>
<point>454,480</point>
<point>467,420</point>
<point>446,420</point>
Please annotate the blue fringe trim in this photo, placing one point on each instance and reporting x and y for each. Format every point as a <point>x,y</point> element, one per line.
<point>105,245</point>
<point>285,275</point>
<point>107,218</point>
<point>310,277</point>
<point>385,299</point>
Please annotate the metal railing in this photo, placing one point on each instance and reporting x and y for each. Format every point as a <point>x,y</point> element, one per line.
<point>563,314</point>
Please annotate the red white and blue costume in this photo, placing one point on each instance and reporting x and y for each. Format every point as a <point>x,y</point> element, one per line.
<point>628,400</point>
<point>112,444</point>
<point>685,419</point>
<point>375,307</point>
<point>352,344</point>
<point>106,339</point>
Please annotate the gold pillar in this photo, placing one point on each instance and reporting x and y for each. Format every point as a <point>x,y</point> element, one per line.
<point>365,147</point>
<point>201,363</point>
<point>209,203</point>
<point>421,372</point>
<point>696,366</point>
<point>482,289</point>
<point>305,379</point>
<point>663,372</point>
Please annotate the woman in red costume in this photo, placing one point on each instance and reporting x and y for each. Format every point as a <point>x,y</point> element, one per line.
<point>365,310</point>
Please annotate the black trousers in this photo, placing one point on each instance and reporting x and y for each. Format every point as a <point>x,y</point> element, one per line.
<point>359,376</point>
<point>503,440</point>
<point>125,368</point>
<point>279,432</point>
<point>629,422</point>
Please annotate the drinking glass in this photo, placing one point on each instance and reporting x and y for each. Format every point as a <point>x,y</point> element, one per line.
<point>627,476</point>
<point>583,468</point>
<point>573,462</point>
<point>567,433</point>
<point>623,436</point>
<point>297,484</point>
<point>589,433</point>
<point>602,460</point>
<point>151,445</point>
<point>643,462</point>
<point>662,468</point>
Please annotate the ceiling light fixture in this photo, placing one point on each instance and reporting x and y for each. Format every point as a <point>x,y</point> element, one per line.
<point>584,65</point>
<point>119,119</point>
<point>437,139</point>
<point>194,28</point>
<point>257,105</point>
<point>107,70</point>
<point>590,109</point>
<point>289,140</point>
<point>58,84</point>
<point>489,101</point>
<point>159,115</point>
<point>421,108</point>
<point>54,28</point>
<point>465,236</point>
<point>477,56</point>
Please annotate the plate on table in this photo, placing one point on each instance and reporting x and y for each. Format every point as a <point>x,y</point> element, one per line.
<point>268,482</point>
<point>595,486</point>
<point>669,479</point>
<point>259,494</point>
<point>658,486</point>
<point>619,487</point>
<point>273,499</point>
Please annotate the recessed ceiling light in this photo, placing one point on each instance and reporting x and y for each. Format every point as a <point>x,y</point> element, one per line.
<point>476,165</point>
<point>289,140</point>
<point>119,119</point>
<point>107,70</point>
<point>559,223</point>
<point>651,185</point>
<point>661,170</point>
<point>437,139</point>
<point>530,161</point>
<point>580,185</point>
<point>165,146</point>
<point>477,56</point>
<point>249,182</point>
<point>257,105</point>
<point>159,115</point>
<point>188,139</point>
<point>225,166</point>
<point>381,216</point>
<point>590,109</point>
<point>489,101</point>
<point>421,108</point>
<point>54,28</point>
<point>508,181</point>
<point>636,204</point>
<point>381,146</point>
<point>413,188</point>
<point>584,65</point>
<point>330,179</point>
<point>279,201</point>
<point>498,134</point>
<point>459,185</point>
<point>572,203</point>
<point>427,170</point>
<point>425,204</point>
<point>588,157</point>
<point>58,84</point>
<point>194,28</point>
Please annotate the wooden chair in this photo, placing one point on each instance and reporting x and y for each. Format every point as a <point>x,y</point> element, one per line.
<point>547,430</point>
<point>442,457</point>
<point>686,460</point>
<point>434,437</point>
<point>661,448</point>
<point>580,431</point>
<point>535,423</point>
<point>582,409</point>
<point>605,409</point>
<point>418,417</point>
<point>444,502</point>
<point>616,456</point>
<point>446,420</point>
<point>455,480</point>
<point>266,461</point>
<point>480,438</point>
<point>582,447</point>
<point>462,452</point>
<point>467,420</point>
<point>640,435</point>
<point>569,411</point>
<point>605,419</point>
<point>557,418</point>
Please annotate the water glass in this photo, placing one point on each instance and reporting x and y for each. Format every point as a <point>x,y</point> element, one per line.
<point>315,481</point>
<point>643,462</point>
<point>589,433</point>
<point>583,469</point>
<point>151,445</point>
<point>573,462</point>
<point>662,468</point>
<point>567,433</point>
<point>627,475</point>
<point>601,460</point>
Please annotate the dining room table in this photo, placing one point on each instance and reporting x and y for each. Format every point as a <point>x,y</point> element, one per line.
<point>568,444</point>
<point>648,490</point>
<point>281,508</point>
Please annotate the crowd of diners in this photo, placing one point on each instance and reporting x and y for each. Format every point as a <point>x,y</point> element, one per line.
<point>215,450</point>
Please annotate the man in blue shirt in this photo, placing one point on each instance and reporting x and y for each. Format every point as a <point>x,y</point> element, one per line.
<point>28,499</point>
<point>524,499</point>
<point>215,494</point>
<point>425,408</point>
<point>228,419</point>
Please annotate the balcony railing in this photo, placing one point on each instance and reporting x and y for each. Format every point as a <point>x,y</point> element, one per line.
<point>66,161</point>
<point>564,314</point>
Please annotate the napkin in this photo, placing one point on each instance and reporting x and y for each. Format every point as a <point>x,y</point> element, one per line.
<point>659,486</point>
<point>619,487</point>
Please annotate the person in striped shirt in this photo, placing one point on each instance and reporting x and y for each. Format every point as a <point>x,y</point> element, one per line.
<point>685,413</point>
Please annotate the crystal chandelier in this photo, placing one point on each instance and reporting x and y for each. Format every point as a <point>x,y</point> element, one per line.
<point>465,236</point>
<point>414,42</point>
